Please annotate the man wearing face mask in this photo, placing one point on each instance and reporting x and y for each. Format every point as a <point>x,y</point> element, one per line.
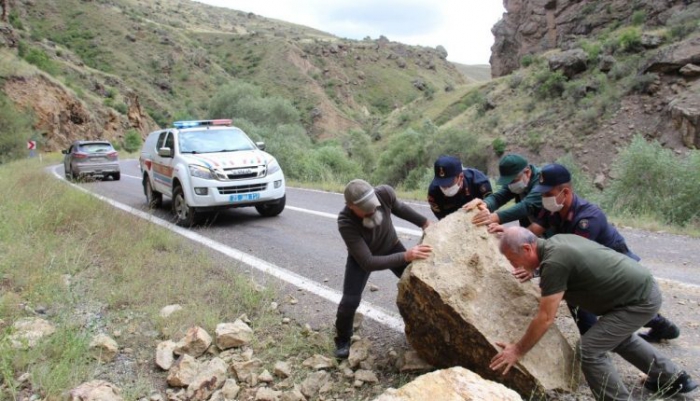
<point>454,186</point>
<point>517,179</point>
<point>369,234</point>
<point>565,213</point>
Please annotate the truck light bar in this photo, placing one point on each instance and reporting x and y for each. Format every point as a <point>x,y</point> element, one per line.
<point>202,123</point>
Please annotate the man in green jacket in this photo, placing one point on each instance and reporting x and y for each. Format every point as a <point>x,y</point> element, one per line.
<point>613,286</point>
<point>517,178</point>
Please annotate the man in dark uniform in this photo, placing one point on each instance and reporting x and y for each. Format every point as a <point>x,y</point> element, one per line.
<point>454,186</point>
<point>615,287</point>
<point>517,179</point>
<point>564,212</point>
<point>369,234</point>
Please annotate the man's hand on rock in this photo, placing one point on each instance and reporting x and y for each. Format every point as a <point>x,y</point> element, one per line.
<point>508,357</point>
<point>472,204</point>
<point>522,275</point>
<point>421,251</point>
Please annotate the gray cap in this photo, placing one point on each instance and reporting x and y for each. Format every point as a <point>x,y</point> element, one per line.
<point>361,194</point>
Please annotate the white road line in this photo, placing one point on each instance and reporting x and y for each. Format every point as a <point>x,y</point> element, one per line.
<point>387,318</point>
<point>400,230</point>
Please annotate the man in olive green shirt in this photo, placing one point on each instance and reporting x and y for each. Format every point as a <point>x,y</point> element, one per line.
<point>617,288</point>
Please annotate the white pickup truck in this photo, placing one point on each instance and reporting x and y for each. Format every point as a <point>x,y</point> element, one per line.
<point>209,165</point>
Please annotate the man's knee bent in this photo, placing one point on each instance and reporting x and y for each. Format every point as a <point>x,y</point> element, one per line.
<point>349,304</point>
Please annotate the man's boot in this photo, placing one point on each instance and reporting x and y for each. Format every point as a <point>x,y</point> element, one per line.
<point>660,328</point>
<point>682,384</point>
<point>342,348</point>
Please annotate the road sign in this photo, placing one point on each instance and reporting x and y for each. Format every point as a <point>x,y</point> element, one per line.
<point>31,145</point>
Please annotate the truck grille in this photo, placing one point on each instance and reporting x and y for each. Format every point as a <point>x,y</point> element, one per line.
<point>242,189</point>
<point>243,173</point>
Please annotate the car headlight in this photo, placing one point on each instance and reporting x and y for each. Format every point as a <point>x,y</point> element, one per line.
<point>201,172</point>
<point>272,166</point>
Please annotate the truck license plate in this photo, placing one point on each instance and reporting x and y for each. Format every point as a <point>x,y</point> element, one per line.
<point>243,197</point>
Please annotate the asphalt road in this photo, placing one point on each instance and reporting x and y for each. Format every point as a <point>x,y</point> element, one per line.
<point>304,240</point>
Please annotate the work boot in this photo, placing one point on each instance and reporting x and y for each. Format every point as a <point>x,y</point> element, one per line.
<point>342,349</point>
<point>660,328</point>
<point>681,385</point>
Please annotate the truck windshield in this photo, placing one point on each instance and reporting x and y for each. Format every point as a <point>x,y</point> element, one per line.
<point>212,141</point>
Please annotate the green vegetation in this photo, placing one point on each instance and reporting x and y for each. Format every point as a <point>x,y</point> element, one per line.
<point>15,130</point>
<point>132,141</point>
<point>652,181</point>
<point>37,57</point>
<point>83,276</point>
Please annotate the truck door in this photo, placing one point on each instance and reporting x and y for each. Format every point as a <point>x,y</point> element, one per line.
<point>163,162</point>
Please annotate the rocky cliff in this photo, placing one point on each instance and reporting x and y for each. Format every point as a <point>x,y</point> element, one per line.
<point>535,26</point>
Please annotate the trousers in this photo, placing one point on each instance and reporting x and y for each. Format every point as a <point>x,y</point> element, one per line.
<point>354,284</point>
<point>615,331</point>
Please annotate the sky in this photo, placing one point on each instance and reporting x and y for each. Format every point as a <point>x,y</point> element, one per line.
<point>462,27</point>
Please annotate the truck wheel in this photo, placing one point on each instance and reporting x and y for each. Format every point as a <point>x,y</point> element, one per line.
<point>271,209</point>
<point>185,216</point>
<point>116,176</point>
<point>154,199</point>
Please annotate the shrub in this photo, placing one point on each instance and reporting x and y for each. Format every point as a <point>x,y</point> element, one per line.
<point>499,146</point>
<point>630,40</point>
<point>527,60</point>
<point>643,83</point>
<point>15,130</point>
<point>652,180</point>
<point>549,84</point>
<point>38,57</point>
<point>639,17</point>
<point>683,23</point>
<point>534,140</point>
<point>121,107</point>
<point>132,141</point>
<point>13,17</point>
<point>404,153</point>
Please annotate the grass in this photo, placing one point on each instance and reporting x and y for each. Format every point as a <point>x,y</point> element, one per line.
<point>121,275</point>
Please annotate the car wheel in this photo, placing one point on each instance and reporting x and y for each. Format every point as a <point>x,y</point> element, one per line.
<point>67,173</point>
<point>153,198</point>
<point>185,216</point>
<point>116,176</point>
<point>271,209</point>
<point>74,175</point>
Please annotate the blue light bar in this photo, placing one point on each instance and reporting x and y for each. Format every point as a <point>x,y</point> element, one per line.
<point>200,123</point>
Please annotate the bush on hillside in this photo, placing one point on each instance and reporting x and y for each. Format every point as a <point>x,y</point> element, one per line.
<point>404,153</point>
<point>37,57</point>
<point>15,131</point>
<point>243,100</point>
<point>457,142</point>
<point>652,180</point>
<point>549,84</point>
<point>132,141</point>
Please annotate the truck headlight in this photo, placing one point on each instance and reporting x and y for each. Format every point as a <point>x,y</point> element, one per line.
<point>272,166</point>
<point>201,172</point>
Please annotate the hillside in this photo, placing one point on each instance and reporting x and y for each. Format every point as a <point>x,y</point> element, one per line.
<point>171,56</point>
<point>576,80</point>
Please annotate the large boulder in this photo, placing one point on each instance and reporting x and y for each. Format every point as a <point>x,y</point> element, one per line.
<point>454,384</point>
<point>685,114</point>
<point>458,303</point>
<point>672,58</point>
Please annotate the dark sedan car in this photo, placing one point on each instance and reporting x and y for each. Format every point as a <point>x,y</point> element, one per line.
<point>91,158</point>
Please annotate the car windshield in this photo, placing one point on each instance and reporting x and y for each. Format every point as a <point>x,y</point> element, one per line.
<point>101,147</point>
<point>212,141</point>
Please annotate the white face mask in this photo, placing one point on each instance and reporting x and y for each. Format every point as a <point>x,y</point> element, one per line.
<point>373,220</point>
<point>517,187</point>
<point>450,191</point>
<point>550,203</point>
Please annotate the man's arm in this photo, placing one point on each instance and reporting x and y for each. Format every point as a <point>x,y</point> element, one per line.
<point>498,198</point>
<point>530,205</point>
<point>511,353</point>
<point>399,208</point>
